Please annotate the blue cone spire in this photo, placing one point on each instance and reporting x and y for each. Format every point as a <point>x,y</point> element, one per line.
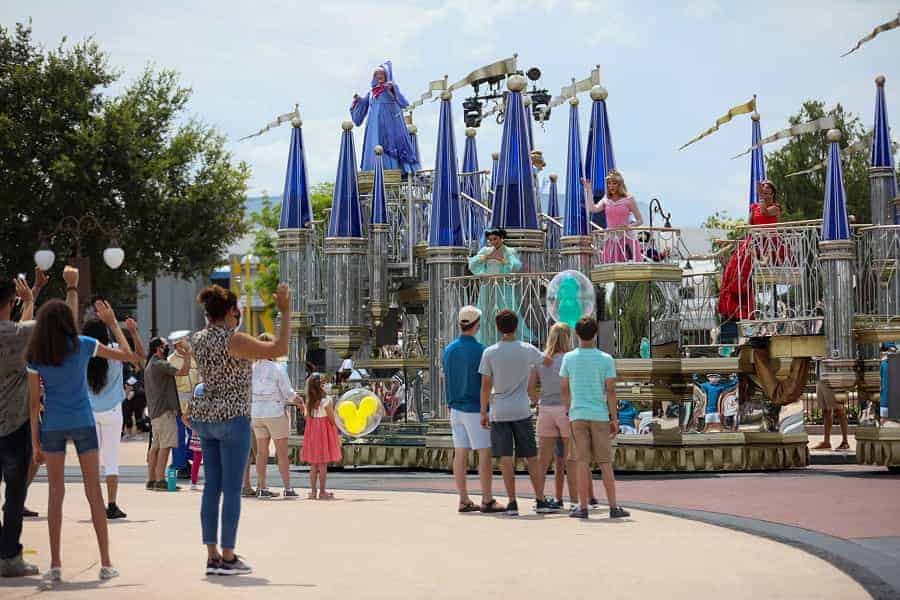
<point>379,204</point>
<point>553,232</point>
<point>296,209</point>
<point>414,138</point>
<point>881,155</point>
<point>599,160</point>
<point>757,160</point>
<point>835,221</point>
<point>575,220</point>
<point>471,185</point>
<point>514,205</point>
<point>346,216</point>
<point>446,214</point>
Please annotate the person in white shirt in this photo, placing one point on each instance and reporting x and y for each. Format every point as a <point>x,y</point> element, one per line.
<point>271,390</point>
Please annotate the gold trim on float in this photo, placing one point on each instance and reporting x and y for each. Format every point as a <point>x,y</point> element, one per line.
<point>878,445</point>
<point>365,180</point>
<point>625,272</point>
<point>416,294</point>
<point>875,334</point>
<point>796,346</point>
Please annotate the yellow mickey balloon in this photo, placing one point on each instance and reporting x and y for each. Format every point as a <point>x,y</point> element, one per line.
<point>356,424</point>
<point>368,406</point>
<point>346,410</point>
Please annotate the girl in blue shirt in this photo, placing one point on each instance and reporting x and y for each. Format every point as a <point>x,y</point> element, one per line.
<point>58,357</point>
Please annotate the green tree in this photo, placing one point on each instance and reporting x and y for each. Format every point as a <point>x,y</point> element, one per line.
<point>802,196</point>
<point>320,196</point>
<point>136,161</point>
<point>265,248</point>
<point>723,221</point>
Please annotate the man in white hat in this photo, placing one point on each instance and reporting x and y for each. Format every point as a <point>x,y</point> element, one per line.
<point>463,391</point>
<point>185,385</point>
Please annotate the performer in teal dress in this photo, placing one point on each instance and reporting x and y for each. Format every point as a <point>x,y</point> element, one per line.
<point>496,259</point>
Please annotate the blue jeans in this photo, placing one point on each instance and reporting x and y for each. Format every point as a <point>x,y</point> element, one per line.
<point>226,449</point>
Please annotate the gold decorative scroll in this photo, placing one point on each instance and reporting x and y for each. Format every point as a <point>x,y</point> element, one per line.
<point>823,124</point>
<point>894,24</point>
<point>279,120</point>
<point>574,88</point>
<point>857,147</point>
<point>740,109</point>
<point>506,66</point>
<point>438,85</point>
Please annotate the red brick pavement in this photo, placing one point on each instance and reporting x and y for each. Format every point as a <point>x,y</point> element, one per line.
<point>843,501</point>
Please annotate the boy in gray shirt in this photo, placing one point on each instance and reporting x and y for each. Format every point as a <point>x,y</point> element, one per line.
<point>505,370</point>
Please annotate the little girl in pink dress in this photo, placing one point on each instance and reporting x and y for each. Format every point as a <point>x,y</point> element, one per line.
<point>321,444</point>
<point>620,244</point>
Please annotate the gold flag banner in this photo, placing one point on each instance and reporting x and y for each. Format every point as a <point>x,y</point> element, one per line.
<point>880,29</point>
<point>740,109</point>
<point>506,66</point>
<point>573,89</point>
<point>438,85</point>
<point>857,147</point>
<point>821,124</point>
<point>286,117</point>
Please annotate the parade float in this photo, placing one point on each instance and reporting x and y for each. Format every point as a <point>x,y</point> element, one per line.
<point>714,354</point>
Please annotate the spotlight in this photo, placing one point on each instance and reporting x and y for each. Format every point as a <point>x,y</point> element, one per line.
<point>533,73</point>
<point>540,101</point>
<point>472,112</point>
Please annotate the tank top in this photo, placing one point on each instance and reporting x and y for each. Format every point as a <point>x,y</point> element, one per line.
<point>226,379</point>
<point>551,382</point>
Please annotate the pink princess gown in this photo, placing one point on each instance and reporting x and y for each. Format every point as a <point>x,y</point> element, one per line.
<point>321,443</point>
<point>620,246</point>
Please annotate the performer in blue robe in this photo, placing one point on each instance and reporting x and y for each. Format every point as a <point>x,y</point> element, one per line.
<point>385,127</point>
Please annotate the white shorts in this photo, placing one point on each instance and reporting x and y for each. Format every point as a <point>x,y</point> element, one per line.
<point>711,418</point>
<point>109,436</point>
<point>467,430</point>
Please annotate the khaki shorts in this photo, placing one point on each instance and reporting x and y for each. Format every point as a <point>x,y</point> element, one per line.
<point>276,428</point>
<point>165,431</point>
<point>825,397</point>
<point>591,441</point>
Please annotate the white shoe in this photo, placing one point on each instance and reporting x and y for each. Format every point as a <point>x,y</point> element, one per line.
<point>195,487</point>
<point>53,575</point>
<point>108,573</point>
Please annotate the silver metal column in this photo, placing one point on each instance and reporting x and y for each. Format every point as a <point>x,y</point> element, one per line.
<point>295,264</point>
<point>577,253</point>
<point>443,262</point>
<point>345,260</point>
<point>839,365</point>
<point>378,275</point>
<point>530,245</point>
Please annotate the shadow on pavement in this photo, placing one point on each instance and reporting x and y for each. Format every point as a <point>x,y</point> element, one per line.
<point>250,581</point>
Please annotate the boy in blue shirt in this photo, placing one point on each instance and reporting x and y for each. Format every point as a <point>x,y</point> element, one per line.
<point>589,393</point>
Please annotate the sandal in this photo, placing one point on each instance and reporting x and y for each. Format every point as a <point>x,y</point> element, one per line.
<point>326,496</point>
<point>843,446</point>
<point>468,507</point>
<point>311,496</point>
<point>492,507</point>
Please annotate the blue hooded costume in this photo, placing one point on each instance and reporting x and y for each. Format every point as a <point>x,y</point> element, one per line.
<point>384,104</point>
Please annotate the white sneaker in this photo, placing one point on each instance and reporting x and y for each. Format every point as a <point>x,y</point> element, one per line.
<point>53,575</point>
<point>195,487</point>
<point>108,573</point>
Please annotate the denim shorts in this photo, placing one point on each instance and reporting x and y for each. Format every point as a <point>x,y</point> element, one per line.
<point>84,438</point>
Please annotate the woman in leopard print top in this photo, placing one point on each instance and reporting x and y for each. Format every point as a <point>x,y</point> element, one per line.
<point>221,415</point>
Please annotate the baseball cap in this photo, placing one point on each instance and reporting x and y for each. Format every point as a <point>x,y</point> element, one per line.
<point>468,315</point>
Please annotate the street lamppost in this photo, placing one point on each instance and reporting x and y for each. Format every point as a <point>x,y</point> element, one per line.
<point>77,227</point>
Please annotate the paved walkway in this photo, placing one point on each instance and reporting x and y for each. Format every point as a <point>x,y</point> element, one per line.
<point>375,544</point>
<point>849,515</point>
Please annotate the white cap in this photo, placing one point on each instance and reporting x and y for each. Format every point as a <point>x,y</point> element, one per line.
<point>468,315</point>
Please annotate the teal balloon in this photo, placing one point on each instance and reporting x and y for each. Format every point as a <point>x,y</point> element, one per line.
<point>570,309</point>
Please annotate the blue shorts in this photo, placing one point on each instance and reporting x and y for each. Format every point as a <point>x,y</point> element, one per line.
<point>84,438</point>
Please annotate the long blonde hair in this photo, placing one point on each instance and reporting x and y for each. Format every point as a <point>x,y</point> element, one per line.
<point>559,340</point>
<point>623,189</point>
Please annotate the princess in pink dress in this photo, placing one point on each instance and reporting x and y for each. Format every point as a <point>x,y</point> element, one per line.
<point>620,245</point>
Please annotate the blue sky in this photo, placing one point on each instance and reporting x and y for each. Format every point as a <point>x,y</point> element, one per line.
<point>670,68</point>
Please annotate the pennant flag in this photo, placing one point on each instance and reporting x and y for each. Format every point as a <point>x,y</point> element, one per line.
<point>740,109</point>
<point>279,120</point>
<point>894,24</point>
<point>823,124</point>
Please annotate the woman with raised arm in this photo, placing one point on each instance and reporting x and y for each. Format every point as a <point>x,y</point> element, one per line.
<point>736,296</point>
<point>221,415</point>
<point>58,357</point>
<point>619,207</point>
<point>106,390</point>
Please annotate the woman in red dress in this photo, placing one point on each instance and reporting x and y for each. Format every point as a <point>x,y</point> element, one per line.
<point>736,296</point>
